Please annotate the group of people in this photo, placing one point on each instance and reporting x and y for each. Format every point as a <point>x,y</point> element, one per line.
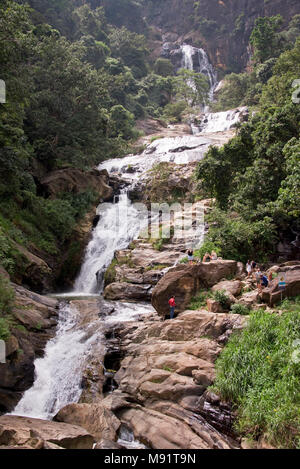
<point>206,258</point>
<point>262,280</point>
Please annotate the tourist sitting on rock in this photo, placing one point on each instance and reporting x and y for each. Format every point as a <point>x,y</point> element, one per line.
<point>207,257</point>
<point>214,256</point>
<point>190,256</point>
<point>172,306</point>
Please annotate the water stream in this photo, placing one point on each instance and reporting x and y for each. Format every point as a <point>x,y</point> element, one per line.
<point>58,374</point>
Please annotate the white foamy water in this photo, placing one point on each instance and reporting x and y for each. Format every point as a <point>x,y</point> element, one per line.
<point>58,374</point>
<point>119,224</point>
<point>221,121</point>
<point>179,150</point>
<point>197,60</point>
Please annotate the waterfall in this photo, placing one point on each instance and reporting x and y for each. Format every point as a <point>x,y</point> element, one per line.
<point>59,373</point>
<point>119,224</point>
<point>200,64</point>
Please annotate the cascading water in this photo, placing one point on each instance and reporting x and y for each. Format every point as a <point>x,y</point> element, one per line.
<point>119,224</point>
<point>197,60</point>
<point>59,372</point>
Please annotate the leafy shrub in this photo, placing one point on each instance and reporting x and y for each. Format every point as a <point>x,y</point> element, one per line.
<point>240,309</point>
<point>222,298</point>
<point>257,372</point>
<point>199,301</point>
<point>4,329</point>
<point>7,298</point>
<point>110,274</point>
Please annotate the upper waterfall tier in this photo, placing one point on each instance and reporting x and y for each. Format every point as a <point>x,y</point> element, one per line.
<point>197,60</point>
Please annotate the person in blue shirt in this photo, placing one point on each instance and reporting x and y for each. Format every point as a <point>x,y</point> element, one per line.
<point>264,281</point>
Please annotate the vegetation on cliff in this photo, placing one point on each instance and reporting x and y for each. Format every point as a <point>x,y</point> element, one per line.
<point>76,81</point>
<point>7,298</point>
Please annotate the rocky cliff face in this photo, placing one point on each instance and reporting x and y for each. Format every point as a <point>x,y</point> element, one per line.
<point>221,27</point>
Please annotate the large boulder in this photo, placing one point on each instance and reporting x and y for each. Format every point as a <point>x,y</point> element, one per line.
<point>35,433</point>
<point>127,291</point>
<point>184,282</point>
<point>35,272</point>
<point>233,287</point>
<point>273,295</point>
<point>98,420</point>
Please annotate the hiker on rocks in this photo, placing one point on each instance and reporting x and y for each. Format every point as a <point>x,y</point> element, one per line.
<point>257,275</point>
<point>172,305</point>
<point>253,265</point>
<point>190,256</point>
<point>263,282</point>
<point>249,268</point>
<point>207,257</point>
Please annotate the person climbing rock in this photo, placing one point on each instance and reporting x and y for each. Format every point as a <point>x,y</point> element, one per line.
<point>172,305</point>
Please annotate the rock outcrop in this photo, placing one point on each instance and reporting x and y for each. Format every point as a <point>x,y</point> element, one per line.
<point>273,294</point>
<point>185,281</point>
<point>231,23</point>
<point>76,181</point>
<point>127,291</point>
<point>163,378</point>
<point>28,433</point>
<point>96,419</point>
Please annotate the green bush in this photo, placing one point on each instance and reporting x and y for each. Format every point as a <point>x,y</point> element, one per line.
<point>240,309</point>
<point>7,298</point>
<point>4,329</point>
<point>222,298</point>
<point>110,274</point>
<point>199,301</point>
<point>258,371</point>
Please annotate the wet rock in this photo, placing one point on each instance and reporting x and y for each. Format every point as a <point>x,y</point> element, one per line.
<point>126,291</point>
<point>159,430</point>
<point>33,433</point>
<point>107,444</point>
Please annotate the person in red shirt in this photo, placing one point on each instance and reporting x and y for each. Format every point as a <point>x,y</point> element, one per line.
<point>172,306</point>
